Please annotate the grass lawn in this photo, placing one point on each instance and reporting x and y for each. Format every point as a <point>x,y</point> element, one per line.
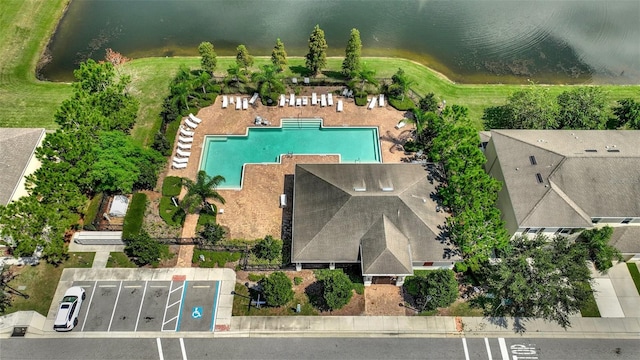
<point>635,274</point>
<point>590,308</point>
<point>41,282</point>
<point>241,305</point>
<point>214,258</point>
<point>120,260</point>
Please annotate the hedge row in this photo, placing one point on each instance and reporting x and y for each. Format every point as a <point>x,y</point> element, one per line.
<point>92,211</point>
<point>135,216</point>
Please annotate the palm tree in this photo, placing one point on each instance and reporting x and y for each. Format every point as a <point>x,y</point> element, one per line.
<point>235,74</point>
<point>200,190</point>
<point>402,82</point>
<point>268,81</point>
<point>364,75</point>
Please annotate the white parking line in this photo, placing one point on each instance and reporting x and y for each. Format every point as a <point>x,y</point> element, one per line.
<point>466,350</point>
<point>115,305</point>
<point>486,343</point>
<point>167,306</point>
<point>184,352</point>
<point>107,285</point>
<point>140,309</point>
<point>503,349</point>
<point>84,321</point>
<point>160,355</point>
<point>200,286</point>
<point>158,286</point>
<point>132,286</point>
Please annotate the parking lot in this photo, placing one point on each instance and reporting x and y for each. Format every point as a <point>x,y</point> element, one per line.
<point>148,305</point>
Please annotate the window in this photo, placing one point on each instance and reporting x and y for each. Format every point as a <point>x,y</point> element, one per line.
<point>626,220</point>
<point>563,231</point>
<point>533,230</point>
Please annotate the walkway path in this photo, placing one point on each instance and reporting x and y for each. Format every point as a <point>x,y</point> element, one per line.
<point>615,292</point>
<point>185,256</point>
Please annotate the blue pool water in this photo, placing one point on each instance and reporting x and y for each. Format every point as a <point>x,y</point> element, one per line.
<point>226,155</point>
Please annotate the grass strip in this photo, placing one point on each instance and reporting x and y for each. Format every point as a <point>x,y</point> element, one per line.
<point>635,274</point>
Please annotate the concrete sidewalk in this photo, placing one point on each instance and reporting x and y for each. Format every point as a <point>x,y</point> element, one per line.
<point>615,292</point>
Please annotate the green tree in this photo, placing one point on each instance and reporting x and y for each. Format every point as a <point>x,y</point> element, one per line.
<point>268,248</point>
<point>539,278</point>
<point>337,288</point>
<point>428,103</point>
<point>213,233</point>
<point>277,289</point>
<point>628,113</point>
<point>351,62</point>
<point>235,75</point>
<point>144,250</point>
<point>400,84</point>
<point>200,190</point>
<point>243,58</point>
<point>316,58</point>
<point>530,108</point>
<point>598,249</point>
<point>208,57</point>
<point>583,108</point>
<point>6,276</point>
<point>433,289</point>
<point>269,82</point>
<point>364,75</point>
<point>279,56</point>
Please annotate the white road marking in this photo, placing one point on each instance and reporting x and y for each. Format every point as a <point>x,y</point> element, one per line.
<point>132,286</point>
<point>158,286</point>
<point>107,285</point>
<point>160,355</point>
<point>200,286</point>
<point>466,350</point>
<point>486,343</point>
<point>184,351</point>
<point>115,305</point>
<point>167,306</point>
<point>84,321</point>
<point>140,309</point>
<point>503,349</point>
<point>177,302</point>
<point>170,320</point>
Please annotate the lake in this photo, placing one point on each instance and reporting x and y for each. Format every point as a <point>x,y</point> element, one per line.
<point>473,41</point>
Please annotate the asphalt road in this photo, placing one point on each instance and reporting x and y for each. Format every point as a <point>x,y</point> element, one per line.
<point>520,348</point>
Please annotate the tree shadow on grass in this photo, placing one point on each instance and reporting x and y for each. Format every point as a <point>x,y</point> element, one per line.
<point>300,70</point>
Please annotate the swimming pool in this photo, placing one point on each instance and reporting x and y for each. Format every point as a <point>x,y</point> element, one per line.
<point>226,154</point>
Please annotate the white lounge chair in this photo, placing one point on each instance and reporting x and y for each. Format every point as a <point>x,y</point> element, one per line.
<point>245,104</point>
<point>350,93</point>
<point>184,146</point>
<point>345,91</point>
<point>314,99</point>
<point>190,123</point>
<point>225,101</point>
<point>305,101</point>
<point>194,118</point>
<point>183,153</point>
<point>282,100</point>
<point>292,99</point>
<point>186,133</point>
<point>253,98</point>
<point>185,139</point>
<point>180,160</point>
<point>339,107</point>
<point>401,124</point>
<point>323,100</point>
<point>298,102</point>
<point>330,99</point>
<point>176,165</point>
<point>381,100</point>
<point>238,103</point>
<point>373,102</point>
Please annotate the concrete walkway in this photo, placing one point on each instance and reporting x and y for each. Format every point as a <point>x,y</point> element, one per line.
<point>615,293</point>
<point>185,256</point>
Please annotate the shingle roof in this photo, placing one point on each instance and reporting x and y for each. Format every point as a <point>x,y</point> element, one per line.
<point>626,239</point>
<point>584,173</point>
<point>16,148</point>
<point>338,207</point>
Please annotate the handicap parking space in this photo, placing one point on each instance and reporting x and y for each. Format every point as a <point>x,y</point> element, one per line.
<point>148,305</point>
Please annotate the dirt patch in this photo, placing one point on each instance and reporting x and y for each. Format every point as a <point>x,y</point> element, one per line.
<point>383,300</point>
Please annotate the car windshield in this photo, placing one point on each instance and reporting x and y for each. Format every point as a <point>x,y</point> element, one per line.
<point>69,299</point>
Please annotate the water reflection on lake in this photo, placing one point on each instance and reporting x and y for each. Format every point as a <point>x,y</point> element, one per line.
<point>470,41</point>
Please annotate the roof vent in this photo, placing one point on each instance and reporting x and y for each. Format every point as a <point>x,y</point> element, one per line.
<point>613,150</point>
<point>539,178</point>
<point>533,161</point>
<point>591,150</point>
<point>360,187</point>
<point>387,188</point>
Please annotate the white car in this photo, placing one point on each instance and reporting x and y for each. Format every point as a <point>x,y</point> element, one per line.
<point>67,317</point>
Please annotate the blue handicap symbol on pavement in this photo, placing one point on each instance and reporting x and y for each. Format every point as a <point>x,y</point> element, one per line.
<point>196,313</point>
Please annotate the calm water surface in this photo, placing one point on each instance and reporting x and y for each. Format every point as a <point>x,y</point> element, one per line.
<point>553,41</point>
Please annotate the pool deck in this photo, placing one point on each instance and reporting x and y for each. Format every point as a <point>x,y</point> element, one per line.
<point>254,211</point>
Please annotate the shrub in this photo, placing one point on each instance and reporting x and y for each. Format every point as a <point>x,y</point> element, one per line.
<point>600,252</point>
<point>268,248</point>
<point>277,289</point>
<point>172,215</point>
<point>337,289</point>
<point>171,131</point>
<point>206,217</point>
<point>437,288</point>
<point>145,250</point>
<point>298,280</point>
<point>134,217</point>
<point>92,211</point>
<point>213,233</point>
<point>171,186</point>
<point>255,277</point>
<point>161,144</point>
<point>402,105</point>
<point>361,100</point>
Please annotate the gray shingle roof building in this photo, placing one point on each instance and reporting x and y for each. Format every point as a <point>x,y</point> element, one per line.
<point>566,179</point>
<point>17,148</point>
<point>380,215</point>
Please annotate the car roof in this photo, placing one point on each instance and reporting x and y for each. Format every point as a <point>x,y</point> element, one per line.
<point>74,291</point>
<point>63,313</point>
